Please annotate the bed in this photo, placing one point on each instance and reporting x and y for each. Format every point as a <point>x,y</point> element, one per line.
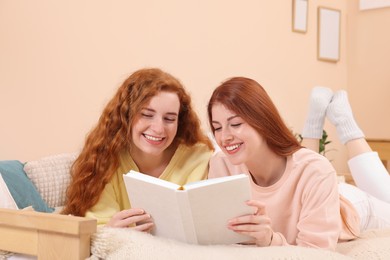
<point>54,236</point>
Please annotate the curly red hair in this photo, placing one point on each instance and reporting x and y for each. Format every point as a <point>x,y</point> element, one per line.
<point>99,158</point>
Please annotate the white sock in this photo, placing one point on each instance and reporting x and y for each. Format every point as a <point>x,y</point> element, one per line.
<point>319,101</point>
<point>340,114</point>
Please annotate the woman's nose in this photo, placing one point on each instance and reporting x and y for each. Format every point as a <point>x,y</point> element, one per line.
<point>157,126</point>
<point>226,136</point>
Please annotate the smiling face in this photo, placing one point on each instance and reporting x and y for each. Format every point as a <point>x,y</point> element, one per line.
<point>155,126</point>
<point>237,139</point>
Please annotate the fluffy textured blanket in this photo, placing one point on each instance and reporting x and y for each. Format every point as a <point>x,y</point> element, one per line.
<point>111,243</point>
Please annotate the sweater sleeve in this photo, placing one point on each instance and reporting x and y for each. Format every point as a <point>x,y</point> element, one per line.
<point>106,207</point>
<point>319,223</point>
<point>112,200</point>
<point>219,167</point>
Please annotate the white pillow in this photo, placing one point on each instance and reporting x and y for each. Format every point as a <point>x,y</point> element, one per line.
<point>6,200</point>
<point>51,177</point>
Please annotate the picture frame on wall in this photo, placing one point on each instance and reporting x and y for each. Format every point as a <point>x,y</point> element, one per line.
<point>328,34</point>
<point>299,15</point>
<point>373,4</point>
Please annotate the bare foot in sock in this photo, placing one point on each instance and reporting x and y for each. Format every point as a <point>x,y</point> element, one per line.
<point>320,97</point>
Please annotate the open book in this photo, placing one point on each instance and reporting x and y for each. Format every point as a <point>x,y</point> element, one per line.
<point>195,213</point>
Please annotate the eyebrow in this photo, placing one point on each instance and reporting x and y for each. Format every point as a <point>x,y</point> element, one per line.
<point>232,117</point>
<point>229,118</point>
<point>172,113</point>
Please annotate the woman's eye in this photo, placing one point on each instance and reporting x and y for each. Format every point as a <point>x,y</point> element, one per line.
<point>217,129</point>
<point>170,119</point>
<point>236,125</point>
<point>146,115</point>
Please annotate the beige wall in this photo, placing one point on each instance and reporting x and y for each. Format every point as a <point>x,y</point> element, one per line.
<point>369,69</point>
<point>61,62</point>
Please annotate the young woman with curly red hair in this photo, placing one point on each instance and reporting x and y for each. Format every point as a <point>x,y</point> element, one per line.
<point>148,126</point>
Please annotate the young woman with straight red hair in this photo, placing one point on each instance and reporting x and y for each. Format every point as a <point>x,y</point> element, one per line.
<point>148,126</point>
<point>294,189</point>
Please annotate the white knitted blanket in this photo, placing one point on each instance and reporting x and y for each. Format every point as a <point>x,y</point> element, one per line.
<point>111,243</point>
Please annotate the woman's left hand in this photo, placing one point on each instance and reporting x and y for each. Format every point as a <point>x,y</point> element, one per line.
<point>257,225</point>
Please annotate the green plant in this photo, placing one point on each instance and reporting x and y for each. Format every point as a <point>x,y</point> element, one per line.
<point>323,142</point>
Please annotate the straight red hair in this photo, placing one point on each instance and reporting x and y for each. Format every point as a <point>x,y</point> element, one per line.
<point>250,101</point>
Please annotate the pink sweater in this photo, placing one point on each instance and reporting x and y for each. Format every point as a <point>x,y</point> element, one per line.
<point>304,205</point>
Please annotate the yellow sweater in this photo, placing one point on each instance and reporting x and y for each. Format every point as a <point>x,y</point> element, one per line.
<point>188,164</point>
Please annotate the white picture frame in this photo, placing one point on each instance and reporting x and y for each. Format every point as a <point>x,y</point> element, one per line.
<point>299,15</point>
<point>329,32</point>
<point>373,4</point>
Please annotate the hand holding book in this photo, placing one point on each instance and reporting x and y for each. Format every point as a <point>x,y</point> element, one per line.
<point>134,217</point>
<point>257,225</point>
<point>195,213</point>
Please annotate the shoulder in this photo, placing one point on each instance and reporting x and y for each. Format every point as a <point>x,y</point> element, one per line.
<point>312,169</point>
<point>219,158</point>
<point>197,153</point>
<point>188,164</point>
<point>195,150</point>
<point>309,159</point>
<point>221,166</point>
<point>126,163</point>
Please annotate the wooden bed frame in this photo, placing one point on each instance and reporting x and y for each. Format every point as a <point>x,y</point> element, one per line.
<point>382,146</point>
<point>45,235</point>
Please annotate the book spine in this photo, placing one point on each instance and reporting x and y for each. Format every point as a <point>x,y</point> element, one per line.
<point>186,216</point>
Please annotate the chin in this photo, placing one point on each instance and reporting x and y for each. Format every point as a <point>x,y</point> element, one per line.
<point>234,159</point>
<point>235,162</point>
<point>153,150</point>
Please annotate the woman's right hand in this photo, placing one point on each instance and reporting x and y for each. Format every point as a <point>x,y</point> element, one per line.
<point>134,218</point>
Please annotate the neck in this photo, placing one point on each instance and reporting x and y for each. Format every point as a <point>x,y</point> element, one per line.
<point>153,165</point>
<point>267,169</point>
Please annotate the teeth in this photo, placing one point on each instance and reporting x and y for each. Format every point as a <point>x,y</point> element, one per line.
<point>152,138</point>
<point>232,147</point>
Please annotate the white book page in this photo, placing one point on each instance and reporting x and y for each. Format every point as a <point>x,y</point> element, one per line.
<point>156,181</point>
<point>214,205</point>
<point>160,201</point>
